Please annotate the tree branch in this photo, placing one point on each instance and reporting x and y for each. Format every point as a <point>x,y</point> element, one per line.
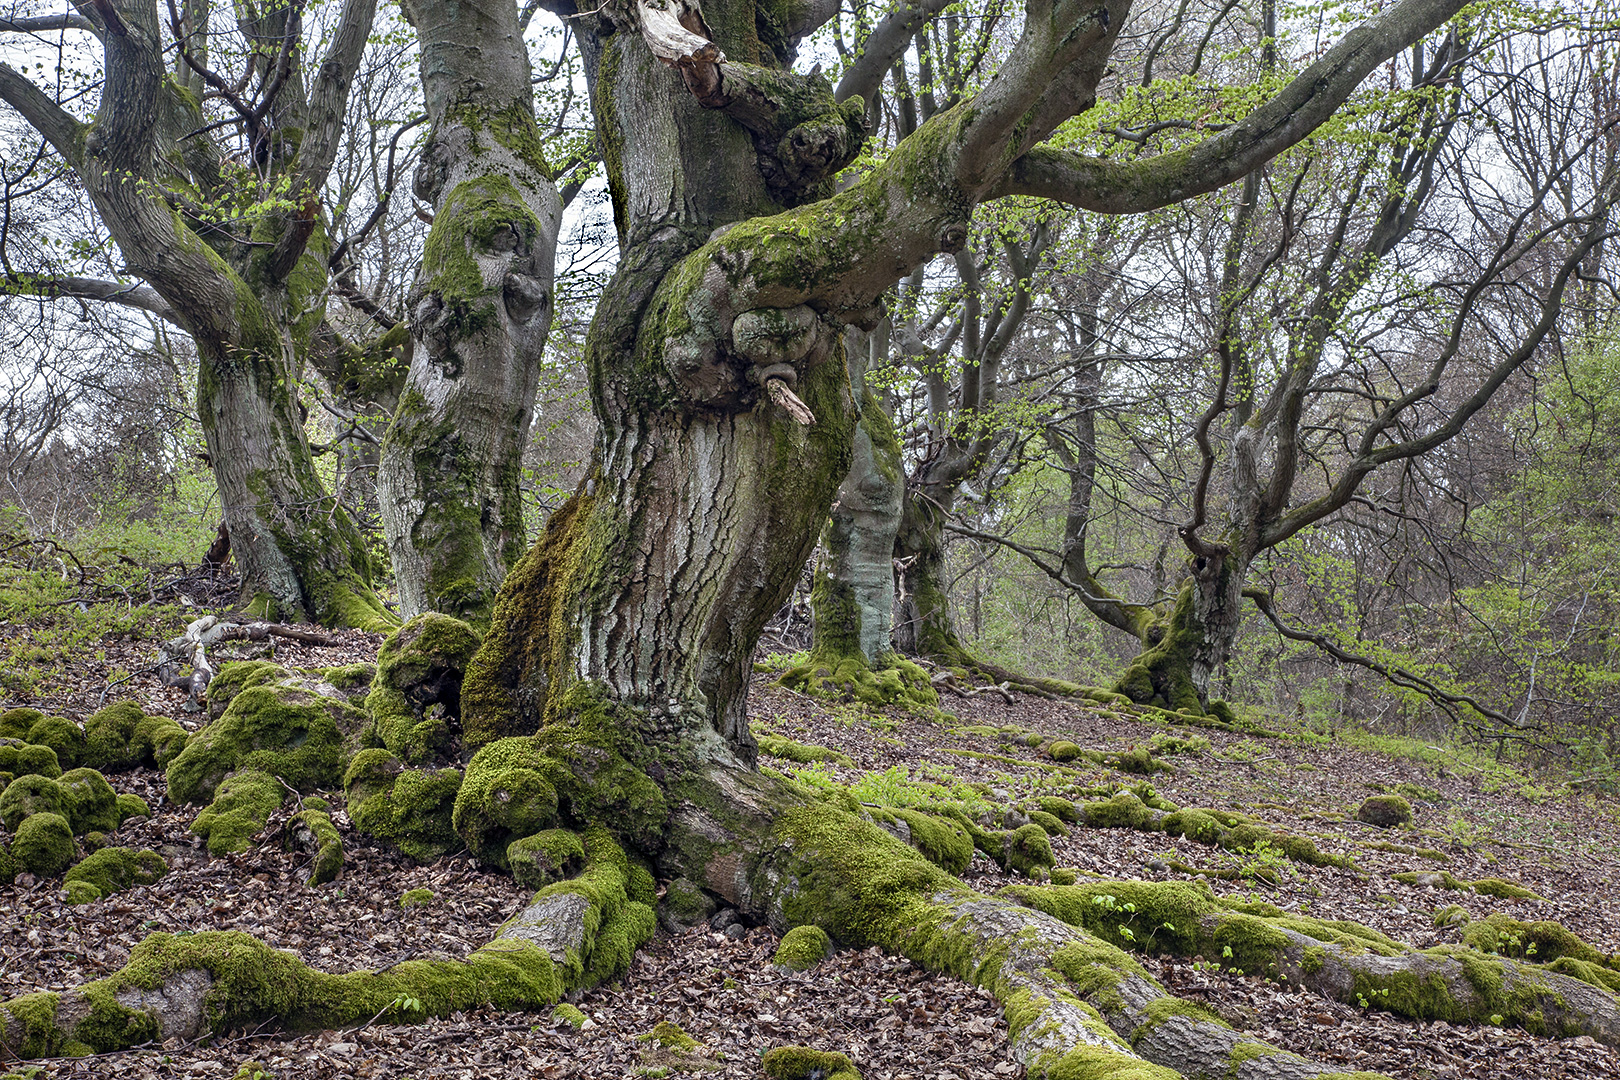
<point>44,115</point>
<point>1114,187</point>
<point>141,297</point>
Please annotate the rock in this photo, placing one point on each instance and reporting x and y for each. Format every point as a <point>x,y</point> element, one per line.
<point>1385,811</point>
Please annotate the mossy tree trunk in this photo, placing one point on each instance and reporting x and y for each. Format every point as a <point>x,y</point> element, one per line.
<point>480,312</point>
<point>248,285</point>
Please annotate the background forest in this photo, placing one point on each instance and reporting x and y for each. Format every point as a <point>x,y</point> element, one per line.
<point>1076,396</point>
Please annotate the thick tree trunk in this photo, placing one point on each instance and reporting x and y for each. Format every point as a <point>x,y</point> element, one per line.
<point>481,310</point>
<point>1181,653</point>
<point>922,616</point>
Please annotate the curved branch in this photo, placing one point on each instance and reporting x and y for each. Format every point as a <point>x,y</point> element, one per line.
<point>46,23</point>
<point>886,43</point>
<point>1114,187</point>
<point>1397,675</point>
<point>43,114</point>
<point>140,297</point>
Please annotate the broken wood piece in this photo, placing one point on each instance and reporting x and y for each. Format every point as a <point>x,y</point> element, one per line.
<point>784,396</point>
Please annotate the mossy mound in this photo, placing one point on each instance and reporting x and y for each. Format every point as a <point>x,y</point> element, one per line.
<point>242,805</point>
<point>61,735</point>
<point>82,796</point>
<point>804,1063</point>
<point>92,804</point>
<point>943,841</point>
<point>505,796</point>
<point>130,806</point>
<point>313,831</point>
<point>545,858</point>
<point>1542,941</point>
<point>568,1014</point>
<point>109,737</point>
<point>16,722</point>
<point>415,700</point>
<point>18,758</point>
<point>778,747</point>
<point>614,898</point>
<point>895,681</point>
<point>1051,823</point>
<point>1062,809</point>
<point>236,676</point>
<point>1384,811</point>
<point>286,731</point>
<point>1443,879</point>
<point>114,869</point>
<point>802,948</point>
<point>669,1036</point>
<point>408,808</point>
<point>1029,851</point>
<point>159,740</point>
<point>415,898</point>
<point>43,845</point>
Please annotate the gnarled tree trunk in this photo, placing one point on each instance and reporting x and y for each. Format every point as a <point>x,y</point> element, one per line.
<point>480,313</point>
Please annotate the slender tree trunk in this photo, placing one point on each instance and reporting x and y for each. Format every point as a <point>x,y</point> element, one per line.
<point>481,309</point>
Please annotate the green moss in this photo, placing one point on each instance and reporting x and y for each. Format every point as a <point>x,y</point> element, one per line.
<point>1162,675</point>
<point>158,740</point>
<point>109,737</point>
<point>802,948</point>
<point>28,795</point>
<point>670,1037</point>
<point>1385,811</point>
<point>1503,890</point>
<point>1029,851</point>
<point>1163,1008</point>
<point>685,904</point>
<point>1123,811</point>
<point>891,680</point>
<point>81,892</point>
<point>91,803</point>
<point>804,1063</point>
<point>16,722</point>
<point>328,844</point>
<point>1194,824</point>
<point>778,747</point>
<point>43,845</point>
<point>290,733</point>
<point>28,1026</point>
<point>568,1014</point>
<point>1049,822</point>
<point>1100,1063</point>
<point>615,924</point>
<point>114,869</point>
<point>253,983</point>
<point>131,806</point>
<point>1542,941</point>
<point>27,759</point>
<point>415,700</point>
<point>545,857</point>
<point>408,808</point>
<point>242,805</point>
<point>942,841</point>
<point>1062,809</point>
<point>505,796</point>
<point>61,735</point>
<point>237,675</point>
<point>415,898</point>
<point>1063,751</point>
<point>1313,959</point>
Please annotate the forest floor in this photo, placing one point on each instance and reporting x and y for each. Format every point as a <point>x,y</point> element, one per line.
<point>1473,818</point>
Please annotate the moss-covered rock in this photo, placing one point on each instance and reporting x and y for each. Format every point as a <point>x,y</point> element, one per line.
<point>1052,824</point>
<point>684,905</point>
<point>415,898</point>
<point>1542,941</point>
<point>92,804</point>
<point>1063,750</point>
<point>891,681</point>
<point>242,805</point>
<point>28,795</point>
<point>670,1037</point>
<point>415,700</point>
<point>80,892</point>
<point>1123,811</point>
<point>61,735</point>
<point>547,857</point>
<point>1029,851</point>
<point>131,805</point>
<point>1062,809</point>
<point>8,864</point>
<point>43,844</point>
<point>286,731</point>
<point>802,948</point>
<point>114,869</point>
<point>945,842</point>
<point>804,1063</point>
<point>313,831</point>
<point>159,740</point>
<point>504,796</point>
<point>1385,811</point>
<point>16,722</point>
<point>236,676</point>
<point>109,737</point>
<point>19,758</point>
<point>408,808</point>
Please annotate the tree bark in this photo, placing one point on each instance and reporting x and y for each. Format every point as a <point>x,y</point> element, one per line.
<point>480,313</point>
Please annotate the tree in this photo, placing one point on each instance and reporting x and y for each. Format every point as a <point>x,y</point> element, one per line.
<point>233,250</point>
